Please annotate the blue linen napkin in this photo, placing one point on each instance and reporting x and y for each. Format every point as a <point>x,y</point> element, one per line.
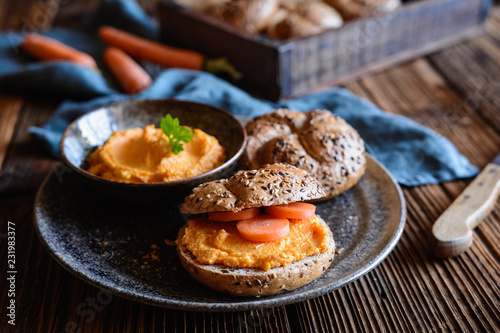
<point>413,153</point>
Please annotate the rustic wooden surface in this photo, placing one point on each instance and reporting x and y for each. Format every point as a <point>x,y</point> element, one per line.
<point>456,92</point>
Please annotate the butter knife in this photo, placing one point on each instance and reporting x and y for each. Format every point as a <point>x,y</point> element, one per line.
<point>452,232</point>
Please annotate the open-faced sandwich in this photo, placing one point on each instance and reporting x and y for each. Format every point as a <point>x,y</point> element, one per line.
<point>253,235</point>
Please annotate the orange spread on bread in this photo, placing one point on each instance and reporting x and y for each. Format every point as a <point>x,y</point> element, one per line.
<point>144,156</point>
<point>213,242</point>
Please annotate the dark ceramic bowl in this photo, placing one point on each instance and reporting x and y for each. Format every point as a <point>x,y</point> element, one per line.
<point>92,129</point>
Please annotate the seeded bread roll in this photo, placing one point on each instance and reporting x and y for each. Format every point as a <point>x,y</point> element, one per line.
<point>257,282</point>
<point>317,141</point>
<point>320,13</point>
<point>273,184</point>
<point>276,20</point>
<point>293,25</point>
<point>249,15</point>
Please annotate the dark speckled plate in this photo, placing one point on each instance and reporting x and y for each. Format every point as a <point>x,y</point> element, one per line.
<point>104,241</point>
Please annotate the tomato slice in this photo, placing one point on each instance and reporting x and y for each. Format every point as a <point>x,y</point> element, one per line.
<point>230,216</point>
<point>295,210</point>
<point>263,228</point>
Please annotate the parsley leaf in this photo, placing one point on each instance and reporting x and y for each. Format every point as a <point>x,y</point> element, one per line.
<point>175,133</point>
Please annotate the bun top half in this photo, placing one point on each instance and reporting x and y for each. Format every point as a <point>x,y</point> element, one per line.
<point>273,184</point>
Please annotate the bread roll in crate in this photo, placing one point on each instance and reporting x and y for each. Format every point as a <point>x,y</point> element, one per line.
<point>316,50</point>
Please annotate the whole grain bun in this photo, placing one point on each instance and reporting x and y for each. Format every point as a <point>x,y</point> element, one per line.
<point>291,25</point>
<point>352,9</point>
<point>249,15</point>
<point>320,13</point>
<point>273,184</point>
<point>302,18</point>
<point>317,141</point>
<point>255,281</point>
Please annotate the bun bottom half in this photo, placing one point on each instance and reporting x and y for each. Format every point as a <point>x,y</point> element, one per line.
<point>255,281</point>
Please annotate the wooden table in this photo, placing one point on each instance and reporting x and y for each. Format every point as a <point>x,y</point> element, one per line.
<point>455,92</point>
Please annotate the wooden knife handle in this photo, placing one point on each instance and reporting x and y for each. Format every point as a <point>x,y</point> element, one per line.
<point>452,232</point>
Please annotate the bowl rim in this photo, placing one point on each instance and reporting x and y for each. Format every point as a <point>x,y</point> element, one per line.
<point>87,174</point>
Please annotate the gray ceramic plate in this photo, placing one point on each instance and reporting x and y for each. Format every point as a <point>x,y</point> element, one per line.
<point>104,241</point>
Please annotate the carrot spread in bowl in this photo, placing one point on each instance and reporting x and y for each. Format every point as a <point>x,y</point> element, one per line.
<point>213,242</point>
<point>144,156</point>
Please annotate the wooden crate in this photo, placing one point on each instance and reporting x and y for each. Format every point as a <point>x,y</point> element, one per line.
<point>276,69</point>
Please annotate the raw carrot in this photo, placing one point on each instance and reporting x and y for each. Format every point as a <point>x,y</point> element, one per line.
<point>144,49</point>
<point>131,76</point>
<point>296,210</point>
<point>230,216</point>
<point>263,228</point>
<point>45,48</point>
